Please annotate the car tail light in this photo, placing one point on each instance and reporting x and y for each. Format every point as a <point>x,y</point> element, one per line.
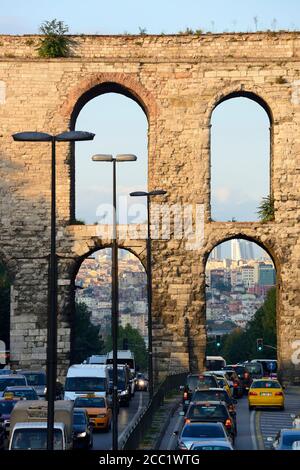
<point>187,421</point>
<point>235,384</point>
<point>252,394</point>
<point>228,423</point>
<point>185,395</point>
<point>230,408</point>
<point>278,394</point>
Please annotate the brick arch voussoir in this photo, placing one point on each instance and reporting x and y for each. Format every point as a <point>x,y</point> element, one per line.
<point>240,87</point>
<point>128,81</point>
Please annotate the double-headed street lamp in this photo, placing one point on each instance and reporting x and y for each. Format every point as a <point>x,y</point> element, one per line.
<point>71,136</point>
<point>148,195</point>
<point>115,287</point>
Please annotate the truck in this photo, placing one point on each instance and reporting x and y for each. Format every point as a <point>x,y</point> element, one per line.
<point>125,357</point>
<point>28,425</point>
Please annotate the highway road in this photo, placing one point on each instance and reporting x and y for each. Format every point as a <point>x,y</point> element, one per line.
<point>126,418</point>
<point>253,427</point>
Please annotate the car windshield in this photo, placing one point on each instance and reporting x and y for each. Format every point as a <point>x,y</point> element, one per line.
<point>203,431</point>
<point>28,394</point>
<point>198,381</point>
<point>35,439</point>
<point>239,370</point>
<point>35,379</point>
<point>211,395</point>
<point>210,448</point>
<point>255,368</point>
<point>289,439</point>
<point>83,402</point>
<point>6,406</point>
<point>215,364</point>
<point>85,384</point>
<point>207,411</point>
<point>265,384</point>
<point>11,381</point>
<point>79,418</point>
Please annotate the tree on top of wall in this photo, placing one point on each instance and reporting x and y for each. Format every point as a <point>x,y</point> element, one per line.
<point>55,43</point>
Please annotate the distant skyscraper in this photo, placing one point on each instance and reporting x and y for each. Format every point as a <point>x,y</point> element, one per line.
<point>216,252</point>
<point>241,249</point>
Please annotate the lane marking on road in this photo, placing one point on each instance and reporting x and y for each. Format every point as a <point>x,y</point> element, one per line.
<point>259,436</point>
<point>134,418</point>
<point>252,430</point>
<point>170,443</point>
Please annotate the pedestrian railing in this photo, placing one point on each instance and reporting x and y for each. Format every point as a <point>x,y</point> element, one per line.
<point>138,430</point>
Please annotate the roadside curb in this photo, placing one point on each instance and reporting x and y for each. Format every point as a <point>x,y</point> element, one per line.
<point>166,425</point>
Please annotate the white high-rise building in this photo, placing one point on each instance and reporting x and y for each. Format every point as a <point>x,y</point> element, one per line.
<point>216,252</point>
<point>241,249</point>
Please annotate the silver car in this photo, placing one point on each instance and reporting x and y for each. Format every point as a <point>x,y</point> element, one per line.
<point>211,445</point>
<point>192,433</point>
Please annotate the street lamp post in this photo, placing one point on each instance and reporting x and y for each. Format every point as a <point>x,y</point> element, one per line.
<point>148,195</point>
<point>71,136</point>
<point>115,287</point>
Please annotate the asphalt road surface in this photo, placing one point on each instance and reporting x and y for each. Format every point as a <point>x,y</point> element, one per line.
<point>126,418</point>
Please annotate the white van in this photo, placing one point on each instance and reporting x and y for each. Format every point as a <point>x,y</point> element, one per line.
<point>86,378</point>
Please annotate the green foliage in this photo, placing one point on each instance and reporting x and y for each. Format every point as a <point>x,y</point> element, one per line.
<point>142,31</point>
<point>86,335</point>
<point>240,345</point>
<point>55,43</point>
<point>4,306</point>
<point>136,344</point>
<point>78,222</point>
<point>266,209</point>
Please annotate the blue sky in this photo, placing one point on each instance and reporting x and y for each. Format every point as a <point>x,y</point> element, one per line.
<point>169,16</point>
<point>120,125</point>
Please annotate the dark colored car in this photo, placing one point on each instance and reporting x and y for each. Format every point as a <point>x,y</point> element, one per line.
<point>238,389</point>
<point>124,385</point>
<point>194,382</point>
<point>2,433</point>
<point>6,407</point>
<point>82,430</point>
<point>211,412</point>
<point>12,380</point>
<point>141,382</point>
<point>244,375</point>
<point>28,393</point>
<point>217,394</point>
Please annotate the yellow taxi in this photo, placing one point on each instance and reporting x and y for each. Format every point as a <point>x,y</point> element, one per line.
<point>97,408</point>
<point>266,392</point>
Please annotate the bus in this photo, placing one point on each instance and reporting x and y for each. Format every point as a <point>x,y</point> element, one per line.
<point>215,362</point>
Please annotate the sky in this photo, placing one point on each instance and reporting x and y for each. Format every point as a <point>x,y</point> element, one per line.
<point>239,146</point>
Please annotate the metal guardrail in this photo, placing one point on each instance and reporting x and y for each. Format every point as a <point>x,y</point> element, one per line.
<point>137,432</point>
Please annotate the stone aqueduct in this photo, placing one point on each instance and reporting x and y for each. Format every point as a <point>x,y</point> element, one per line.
<point>178,81</point>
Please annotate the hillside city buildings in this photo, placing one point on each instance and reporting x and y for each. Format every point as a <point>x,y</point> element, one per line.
<point>236,288</point>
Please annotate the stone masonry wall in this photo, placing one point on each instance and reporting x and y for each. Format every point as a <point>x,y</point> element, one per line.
<point>178,80</point>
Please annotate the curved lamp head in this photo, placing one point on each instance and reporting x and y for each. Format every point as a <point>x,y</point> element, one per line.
<point>70,136</point>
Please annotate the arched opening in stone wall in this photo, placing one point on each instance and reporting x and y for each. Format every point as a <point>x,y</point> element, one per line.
<point>241,311</point>
<point>241,173</point>
<point>118,118</point>
<point>91,323</point>
<point>5,291</point>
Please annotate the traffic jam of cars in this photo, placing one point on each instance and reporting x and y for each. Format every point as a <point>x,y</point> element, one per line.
<point>83,404</point>
<point>209,404</point>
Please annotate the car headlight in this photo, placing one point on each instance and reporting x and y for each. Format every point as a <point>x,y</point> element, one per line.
<point>81,434</point>
<point>141,383</point>
<point>124,392</point>
<point>101,416</point>
<point>182,445</point>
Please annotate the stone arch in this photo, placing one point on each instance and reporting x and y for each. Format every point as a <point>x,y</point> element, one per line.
<point>97,85</point>
<point>74,268</point>
<point>256,94</point>
<point>275,255</point>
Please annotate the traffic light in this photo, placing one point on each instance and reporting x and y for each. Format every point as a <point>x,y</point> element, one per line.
<point>218,341</point>
<point>125,344</point>
<point>259,344</point>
